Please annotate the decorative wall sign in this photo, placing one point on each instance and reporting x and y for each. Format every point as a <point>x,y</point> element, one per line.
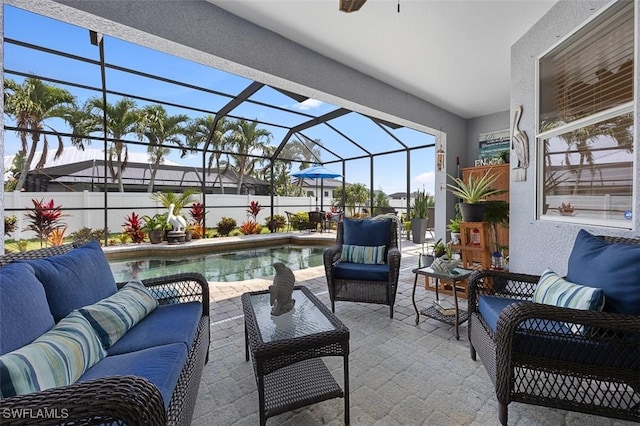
<point>493,144</point>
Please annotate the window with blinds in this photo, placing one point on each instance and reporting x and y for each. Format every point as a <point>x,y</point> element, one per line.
<point>586,123</point>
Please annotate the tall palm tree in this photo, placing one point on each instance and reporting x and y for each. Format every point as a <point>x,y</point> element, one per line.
<point>31,104</point>
<point>122,119</point>
<point>160,128</point>
<point>247,139</point>
<point>197,134</point>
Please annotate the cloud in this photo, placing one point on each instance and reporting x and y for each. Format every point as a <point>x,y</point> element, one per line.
<point>308,104</point>
<point>426,180</point>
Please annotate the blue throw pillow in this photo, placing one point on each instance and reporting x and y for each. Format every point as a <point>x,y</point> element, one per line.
<point>365,232</point>
<point>75,279</point>
<point>613,267</point>
<point>24,311</point>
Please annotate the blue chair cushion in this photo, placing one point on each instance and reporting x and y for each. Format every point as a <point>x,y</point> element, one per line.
<point>489,307</point>
<point>613,267</point>
<point>365,232</point>
<point>166,324</point>
<point>361,271</point>
<point>75,279</point>
<point>161,365</point>
<point>24,311</point>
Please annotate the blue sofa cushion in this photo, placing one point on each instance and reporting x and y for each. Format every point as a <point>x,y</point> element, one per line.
<point>166,324</point>
<point>613,267</point>
<point>113,316</point>
<point>161,365</point>
<point>57,358</point>
<point>75,279</point>
<point>360,271</point>
<point>366,232</point>
<point>24,311</point>
<point>489,307</point>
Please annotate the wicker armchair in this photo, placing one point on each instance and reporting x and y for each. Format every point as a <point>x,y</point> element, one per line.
<point>366,288</point>
<point>533,357</point>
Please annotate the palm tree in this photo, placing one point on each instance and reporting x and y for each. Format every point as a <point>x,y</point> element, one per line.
<point>160,128</point>
<point>198,132</point>
<point>247,139</point>
<point>30,104</point>
<point>122,119</point>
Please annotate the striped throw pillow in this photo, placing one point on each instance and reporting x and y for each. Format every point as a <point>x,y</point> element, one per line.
<point>114,316</point>
<point>555,290</point>
<point>370,255</point>
<point>57,358</point>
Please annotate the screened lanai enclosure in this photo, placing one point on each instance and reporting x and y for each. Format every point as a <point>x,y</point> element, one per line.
<point>99,124</point>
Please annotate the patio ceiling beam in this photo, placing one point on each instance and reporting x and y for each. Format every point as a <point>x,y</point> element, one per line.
<point>394,126</point>
<point>294,96</point>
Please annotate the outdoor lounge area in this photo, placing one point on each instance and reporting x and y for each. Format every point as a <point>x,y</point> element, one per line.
<point>417,113</point>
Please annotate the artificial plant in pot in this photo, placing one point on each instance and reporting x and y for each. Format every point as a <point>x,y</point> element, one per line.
<point>473,193</point>
<point>419,215</point>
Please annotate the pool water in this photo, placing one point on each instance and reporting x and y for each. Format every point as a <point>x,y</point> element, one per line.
<point>239,265</point>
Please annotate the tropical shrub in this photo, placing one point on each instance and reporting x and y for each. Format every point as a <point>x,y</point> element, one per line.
<point>278,222</point>
<point>250,227</point>
<point>43,218</point>
<point>56,237</point>
<point>10,224</point>
<point>133,228</point>
<point>197,213</point>
<point>300,221</point>
<point>84,235</point>
<point>226,225</point>
<point>22,245</point>
<point>123,238</point>
<point>254,209</point>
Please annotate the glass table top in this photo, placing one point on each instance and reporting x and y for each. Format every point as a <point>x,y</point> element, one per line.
<point>456,273</point>
<point>304,319</point>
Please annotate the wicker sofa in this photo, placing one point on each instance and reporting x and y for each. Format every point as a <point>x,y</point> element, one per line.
<point>362,282</point>
<point>574,359</point>
<point>148,375</point>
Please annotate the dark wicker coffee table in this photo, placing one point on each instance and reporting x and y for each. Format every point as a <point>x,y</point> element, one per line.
<point>286,352</point>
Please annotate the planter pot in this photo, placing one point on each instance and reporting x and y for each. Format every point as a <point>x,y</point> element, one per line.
<point>455,237</point>
<point>472,212</point>
<point>156,237</point>
<point>418,230</point>
<point>425,260</point>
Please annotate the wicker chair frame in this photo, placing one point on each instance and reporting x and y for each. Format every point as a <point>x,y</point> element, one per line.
<point>122,400</point>
<point>379,292</point>
<point>519,361</point>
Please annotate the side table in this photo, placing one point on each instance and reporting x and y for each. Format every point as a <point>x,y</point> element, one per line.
<point>460,315</point>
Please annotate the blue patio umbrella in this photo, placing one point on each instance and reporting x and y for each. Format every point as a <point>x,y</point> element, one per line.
<point>316,172</point>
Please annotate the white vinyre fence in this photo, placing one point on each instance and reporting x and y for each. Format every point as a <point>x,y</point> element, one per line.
<point>86,209</point>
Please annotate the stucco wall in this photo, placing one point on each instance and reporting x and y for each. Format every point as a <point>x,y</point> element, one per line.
<point>537,244</point>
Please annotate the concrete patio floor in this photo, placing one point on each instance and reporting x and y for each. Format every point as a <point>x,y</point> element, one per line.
<point>400,373</point>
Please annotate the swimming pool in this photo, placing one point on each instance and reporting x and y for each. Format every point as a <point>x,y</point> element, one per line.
<point>237,265</point>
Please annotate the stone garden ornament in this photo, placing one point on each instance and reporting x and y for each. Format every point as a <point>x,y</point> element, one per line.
<point>281,290</point>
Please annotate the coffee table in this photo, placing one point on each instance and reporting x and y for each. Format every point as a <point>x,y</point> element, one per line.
<point>460,315</point>
<point>286,352</point>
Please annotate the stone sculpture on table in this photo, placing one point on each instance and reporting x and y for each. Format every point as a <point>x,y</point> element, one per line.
<point>281,290</point>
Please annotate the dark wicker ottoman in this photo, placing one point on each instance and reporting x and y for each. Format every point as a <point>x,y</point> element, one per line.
<point>286,352</point>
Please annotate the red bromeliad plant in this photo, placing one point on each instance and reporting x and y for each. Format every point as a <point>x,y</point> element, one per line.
<point>44,218</point>
<point>133,227</point>
<point>197,213</point>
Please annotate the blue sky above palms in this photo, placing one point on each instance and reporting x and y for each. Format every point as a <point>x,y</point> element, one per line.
<point>389,170</point>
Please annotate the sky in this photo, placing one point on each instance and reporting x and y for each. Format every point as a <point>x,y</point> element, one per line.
<point>389,170</point>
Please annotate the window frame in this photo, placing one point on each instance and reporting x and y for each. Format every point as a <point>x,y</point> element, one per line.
<point>619,110</point>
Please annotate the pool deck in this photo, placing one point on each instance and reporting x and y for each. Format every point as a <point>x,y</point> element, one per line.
<point>400,373</point>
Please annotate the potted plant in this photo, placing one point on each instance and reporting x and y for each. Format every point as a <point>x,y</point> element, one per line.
<point>454,228</point>
<point>419,215</point>
<point>155,226</point>
<point>496,214</point>
<point>473,193</point>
